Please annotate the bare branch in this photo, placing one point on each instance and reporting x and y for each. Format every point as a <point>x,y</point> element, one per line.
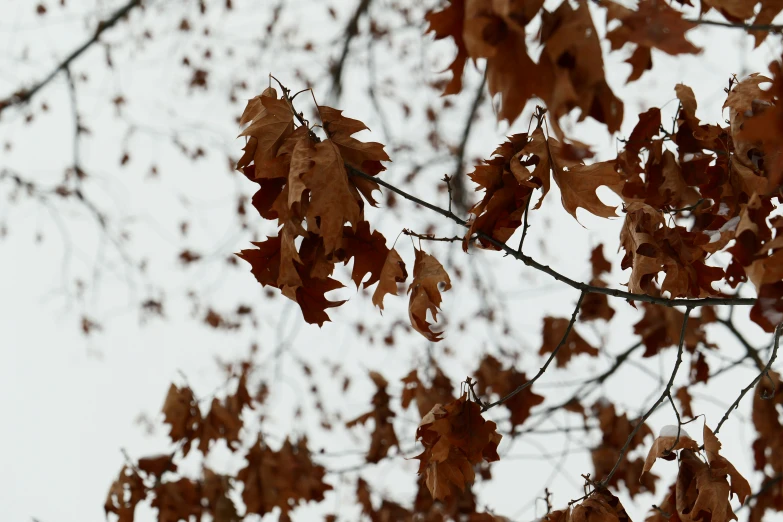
<point>762,373</point>
<point>541,370</point>
<point>24,95</point>
<point>529,261</point>
<point>666,394</point>
<point>460,193</point>
<point>351,31</point>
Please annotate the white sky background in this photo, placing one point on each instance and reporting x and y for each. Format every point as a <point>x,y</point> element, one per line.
<point>70,402</point>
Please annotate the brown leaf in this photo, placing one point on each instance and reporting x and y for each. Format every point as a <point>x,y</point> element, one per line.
<point>393,272</point>
<point>572,68</point>
<point>124,494</point>
<point>182,413</point>
<point>425,296</point>
<point>493,378</point>
<point>553,331</point>
<point>684,396</point>
<point>332,202</point>
<point>281,479</point>
<point>664,445</point>
<point>455,438</point>
<point>449,22</point>
<point>368,251</point>
<point>383,437</point>
<point>508,186</point>
<point>364,156</point>
<point>598,262</point>
<point>157,465</point>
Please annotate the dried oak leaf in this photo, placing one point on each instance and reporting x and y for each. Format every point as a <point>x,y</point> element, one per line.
<point>508,187</point>
<point>219,423</point>
<point>492,378</point>
<point>157,465</point>
<point>363,156</point>
<point>124,494</point>
<point>332,200</point>
<point>652,25</point>
<point>455,438</point>
<point>177,500</point>
<point>271,122</point>
<point>368,251</point>
<point>572,69</point>
<point>496,31</point>
<point>446,23</point>
<point>276,263</point>
<point>651,246</point>
<point>665,444</point>
<point>383,436</point>
<point>215,491</point>
<point>553,332</point>
<point>596,306</point>
<point>577,182</point>
<point>181,412</point>
<point>282,479</point>
<point>731,9</point>
<point>425,296</point>
<point>426,397</point>
<point>598,262</point>
<point>684,396</point>
<point>601,506</point>
<point>615,431</point>
<point>660,327</point>
<point>393,272</point>
<point>768,446</point>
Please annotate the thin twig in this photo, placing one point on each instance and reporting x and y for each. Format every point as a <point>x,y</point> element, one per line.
<point>351,31</point>
<point>529,261</point>
<point>548,361</point>
<point>458,177</point>
<point>737,25</point>
<point>25,95</point>
<point>755,381</point>
<point>666,393</point>
<point>525,225</point>
<point>752,351</point>
<point>431,237</point>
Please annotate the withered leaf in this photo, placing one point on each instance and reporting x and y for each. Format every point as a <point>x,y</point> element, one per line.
<point>393,272</point>
<point>424,293</point>
<point>455,438</point>
<point>554,328</point>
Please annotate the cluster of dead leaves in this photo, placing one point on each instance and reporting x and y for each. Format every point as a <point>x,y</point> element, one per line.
<point>222,422</point>
<point>174,499</point>
<point>703,490</point>
<point>455,438</point>
<point>568,74</point>
<point>523,164</point>
<point>307,185</point>
<point>725,180</point>
<point>270,479</point>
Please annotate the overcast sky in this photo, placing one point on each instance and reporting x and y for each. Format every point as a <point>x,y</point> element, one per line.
<point>72,402</point>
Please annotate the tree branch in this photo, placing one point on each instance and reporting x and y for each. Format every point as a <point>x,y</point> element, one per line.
<point>459,177</point>
<point>529,261</point>
<point>737,25</point>
<point>351,31</point>
<point>755,381</point>
<point>541,370</point>
<point>24,95</point>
